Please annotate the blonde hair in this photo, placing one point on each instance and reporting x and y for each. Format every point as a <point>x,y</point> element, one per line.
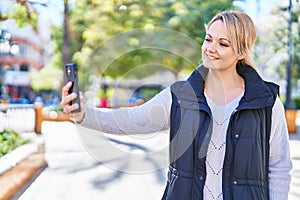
<point>242,33</point>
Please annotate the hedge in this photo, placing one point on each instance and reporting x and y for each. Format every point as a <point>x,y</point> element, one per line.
<point>10,140</point>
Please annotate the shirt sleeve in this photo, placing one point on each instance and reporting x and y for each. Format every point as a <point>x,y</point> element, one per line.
<point>280,163</point>
<point>152,116</point>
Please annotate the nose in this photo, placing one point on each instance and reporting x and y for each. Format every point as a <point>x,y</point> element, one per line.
<point>211,47</point>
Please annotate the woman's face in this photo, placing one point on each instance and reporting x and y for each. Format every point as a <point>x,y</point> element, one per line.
<point>217,50</point>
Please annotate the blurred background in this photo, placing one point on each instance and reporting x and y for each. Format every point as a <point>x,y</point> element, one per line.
<point>38,37</point>
<point>126,51</point>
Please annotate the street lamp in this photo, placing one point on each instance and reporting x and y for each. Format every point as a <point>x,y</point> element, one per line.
<point>289,104</point>
<point>7,48</point>
<point>5,39</point>
<point>14,48</point>
<point>4,47</point>
<point>290,108</point>
<point>4,51</point>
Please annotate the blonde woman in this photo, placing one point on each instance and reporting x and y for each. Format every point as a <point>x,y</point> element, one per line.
<point>228,136</point>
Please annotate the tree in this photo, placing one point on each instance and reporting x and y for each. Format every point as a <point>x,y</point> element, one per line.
<point>94,24</point>
<point>47,78</point>
<point>272,45</point>
<point>22,12</point>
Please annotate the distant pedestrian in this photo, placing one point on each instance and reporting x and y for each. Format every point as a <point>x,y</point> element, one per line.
<point>104,97</point>
<point>228,135</point>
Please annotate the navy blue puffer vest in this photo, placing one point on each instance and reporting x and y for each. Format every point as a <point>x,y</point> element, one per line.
<point>245,168</point>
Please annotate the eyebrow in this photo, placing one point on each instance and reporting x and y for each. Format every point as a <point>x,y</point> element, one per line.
<point>219,38</point>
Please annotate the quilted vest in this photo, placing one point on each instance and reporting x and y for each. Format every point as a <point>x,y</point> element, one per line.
<point>245,168</point>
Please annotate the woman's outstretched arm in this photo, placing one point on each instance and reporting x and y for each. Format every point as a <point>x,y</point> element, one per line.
<point>152,116</point>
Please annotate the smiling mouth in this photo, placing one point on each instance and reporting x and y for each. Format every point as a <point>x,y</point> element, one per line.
<point>211,57</point>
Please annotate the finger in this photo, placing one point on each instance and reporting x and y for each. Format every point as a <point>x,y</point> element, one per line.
<point>66,88</point>
<point>82,99</point>
<point>69,109</point>
<point>64,102</point>
<point>67,99</point>
<point>74,106</point>
<point>82,102</point>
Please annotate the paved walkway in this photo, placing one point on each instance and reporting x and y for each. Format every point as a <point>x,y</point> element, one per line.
<point>295,155</point>
<point>74,173</point>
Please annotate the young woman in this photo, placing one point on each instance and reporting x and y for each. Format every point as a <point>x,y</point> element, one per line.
<point>228,135</point>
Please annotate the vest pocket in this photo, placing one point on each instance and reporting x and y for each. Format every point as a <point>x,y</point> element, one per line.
<point>249,189</point>
<point>249,182</point>
<point>179,184</point>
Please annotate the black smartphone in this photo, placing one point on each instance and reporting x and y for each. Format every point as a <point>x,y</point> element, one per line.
<point>72,75</point>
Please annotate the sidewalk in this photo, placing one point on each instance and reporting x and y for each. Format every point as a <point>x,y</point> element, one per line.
<point>73,173</point>
<point>295,155</point>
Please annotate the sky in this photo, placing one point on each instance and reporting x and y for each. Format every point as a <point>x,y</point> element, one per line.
<point>53,9</point>
<point>255,10</point>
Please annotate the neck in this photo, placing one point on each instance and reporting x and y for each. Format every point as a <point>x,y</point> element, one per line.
<point>223,86</point>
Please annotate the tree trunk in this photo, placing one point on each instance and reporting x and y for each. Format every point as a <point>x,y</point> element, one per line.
<point>66,43</point>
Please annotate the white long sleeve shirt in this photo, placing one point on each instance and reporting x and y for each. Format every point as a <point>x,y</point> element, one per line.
<point>153,116</point>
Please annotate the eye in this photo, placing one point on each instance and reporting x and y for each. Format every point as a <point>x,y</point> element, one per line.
<point>224,45</point>
<point>208,40</point>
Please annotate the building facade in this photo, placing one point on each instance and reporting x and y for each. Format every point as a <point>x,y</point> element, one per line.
<point>22,50</point>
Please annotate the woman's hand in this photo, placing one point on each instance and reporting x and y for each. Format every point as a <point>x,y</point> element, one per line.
<point>67,108</point>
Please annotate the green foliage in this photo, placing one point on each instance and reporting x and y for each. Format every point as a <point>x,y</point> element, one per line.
<point>22,16</point>
<point>93,22</point>
<point>3,16</point>
<point>278,41</point>
<point>9,140</point>
<point>297,102</point>
<point>47,78</point>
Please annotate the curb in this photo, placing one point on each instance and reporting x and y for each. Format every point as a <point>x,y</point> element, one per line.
<point>13,180</point>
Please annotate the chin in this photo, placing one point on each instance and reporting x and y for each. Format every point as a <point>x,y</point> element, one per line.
<point>210,65</point>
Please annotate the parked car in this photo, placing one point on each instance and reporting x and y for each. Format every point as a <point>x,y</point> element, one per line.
<point>144,93</point>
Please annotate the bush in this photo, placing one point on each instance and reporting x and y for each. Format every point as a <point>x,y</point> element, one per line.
<point>297,102</point>
<point>9,140</point>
